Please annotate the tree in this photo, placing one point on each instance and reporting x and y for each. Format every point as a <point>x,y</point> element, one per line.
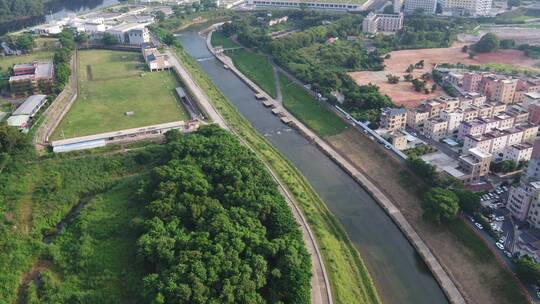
<point>109,39</point>
<point>160,16</point>
<point>469,201</point>
<point>472,54</point>
<point>408,77</point>
<point>488,43</point>
<point>465,49</point>
<point>392,78</point>
<point>433,87</point>
<point>507,44</point>
<point>418,85</point>
<point>25,42</point>
<point>440,205</point>
<point>528,270</point>
<point>426,171</point>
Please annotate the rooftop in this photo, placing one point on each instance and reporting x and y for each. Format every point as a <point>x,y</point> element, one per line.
<point>29,105</point>
<point>394,111</point>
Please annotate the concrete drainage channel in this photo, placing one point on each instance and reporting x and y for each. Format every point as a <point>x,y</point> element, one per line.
<point>441,276</point>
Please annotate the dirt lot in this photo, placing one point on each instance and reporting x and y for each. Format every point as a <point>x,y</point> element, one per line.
<point>480,282</point>
<point>404,94</point>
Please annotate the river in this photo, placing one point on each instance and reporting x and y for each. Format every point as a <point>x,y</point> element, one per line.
<point>399,273</point>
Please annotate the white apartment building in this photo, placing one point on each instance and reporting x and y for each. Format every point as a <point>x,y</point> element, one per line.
<point>453,119</point>
<point>130,33</point>
<point>427,6</point>
<point>436,128</point>
<point>520,197</point>
<point>473,8</point>
<point>518,152</point>
<point>374,23</point>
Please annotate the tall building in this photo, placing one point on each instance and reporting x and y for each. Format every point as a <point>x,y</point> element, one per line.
<point>471,81</point>
<point>425,6</point>
<point>505,90</point>
<point>467,7</point>
<point>393,118</point>
<point>374,23</point>
<point>475,165</point>
<point>519,199</point>
<point>398,5</point>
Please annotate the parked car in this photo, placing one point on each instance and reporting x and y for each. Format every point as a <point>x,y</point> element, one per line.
<point>508,254</point>
<point>499,218</point>
<point>499,245</point>
<point>387,147</point>
<point>479,226</point>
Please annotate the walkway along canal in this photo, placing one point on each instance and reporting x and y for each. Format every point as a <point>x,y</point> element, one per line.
<point>398,271</point>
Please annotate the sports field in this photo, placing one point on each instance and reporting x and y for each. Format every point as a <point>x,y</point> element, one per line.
<point>112,83</point>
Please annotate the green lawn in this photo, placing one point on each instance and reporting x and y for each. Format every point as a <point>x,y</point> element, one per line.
<point>112,83</point>
<point>310,111</point>
<point>9,61</point>
<point>218,39</point>
<point>257,68</point>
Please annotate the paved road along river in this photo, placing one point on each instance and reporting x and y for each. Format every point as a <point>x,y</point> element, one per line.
<point>398,271</point>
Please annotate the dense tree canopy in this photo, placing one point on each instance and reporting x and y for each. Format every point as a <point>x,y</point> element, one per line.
<point>13,9</point>
<point>488,43</point>
<point>217,229</point>
<point>440,205</point>
<point>528,270</point>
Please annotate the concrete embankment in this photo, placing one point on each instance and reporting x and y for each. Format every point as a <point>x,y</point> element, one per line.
<point>442,277</point>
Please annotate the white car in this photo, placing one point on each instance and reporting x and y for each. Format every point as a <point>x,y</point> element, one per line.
<point>499,218</point>
<point>508,254</point>
<point>499,245</point>
<point>479,226</point>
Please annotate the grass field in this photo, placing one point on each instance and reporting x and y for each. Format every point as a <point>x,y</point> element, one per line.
<point>311,112</point>
<point>112,83</point>
<point>103,230</point>
<point>349,278</point>
<point>257,68</point>
<point>218,39</point>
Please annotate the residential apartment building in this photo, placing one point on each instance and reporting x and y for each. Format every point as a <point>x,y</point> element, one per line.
<point>533,170</point>
<point>471,81</point>
<point>436,128</point>
<point>518,152</point>
<point>505,121</point>
<point>374,23</point>
<point>520,198</point>
<point>472,128</point>
<point>469,114</point>
<point>530,132</point>
<point>534,113</point>
<point>475,165</point>
<point>531,98</point>
<point>505,90</point>
<point>473,99</point>
<point>453,119</point>
<point>399,140</point>
<point>425,6</point>
<point>416,118</point>
<point>154,59</point>
<point>435,107</point>
<point>475,8</point>
<point>526,86</point>
<point>393,118</point>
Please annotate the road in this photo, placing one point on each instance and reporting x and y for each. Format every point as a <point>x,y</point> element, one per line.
<point>319,284</point>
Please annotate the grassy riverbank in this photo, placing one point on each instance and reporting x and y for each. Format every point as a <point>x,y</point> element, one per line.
<point>257,68</point>
<point>349,278</point>
<point>310,111</point>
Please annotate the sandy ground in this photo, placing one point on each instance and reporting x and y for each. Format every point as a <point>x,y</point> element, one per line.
<point>403,93</point>
<point>478,282</point>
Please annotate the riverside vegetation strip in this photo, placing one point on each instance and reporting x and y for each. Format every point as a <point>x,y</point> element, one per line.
<point>349,278</point>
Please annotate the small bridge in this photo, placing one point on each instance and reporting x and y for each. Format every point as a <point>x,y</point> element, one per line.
<point>220,49</point>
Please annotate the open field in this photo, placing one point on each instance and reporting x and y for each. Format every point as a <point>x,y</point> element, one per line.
<point>257,68</point>
<point>310,111</point>
<point>403,93</point>
<point>111,83</point>
<point>349,277</point>
<point>473,266</point>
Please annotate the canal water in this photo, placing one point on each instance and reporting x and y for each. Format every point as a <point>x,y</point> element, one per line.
<point>399,273</point>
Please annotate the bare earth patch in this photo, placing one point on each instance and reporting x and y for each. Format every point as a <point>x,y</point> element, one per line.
<point>479,282</point>
<point>403,93</point>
